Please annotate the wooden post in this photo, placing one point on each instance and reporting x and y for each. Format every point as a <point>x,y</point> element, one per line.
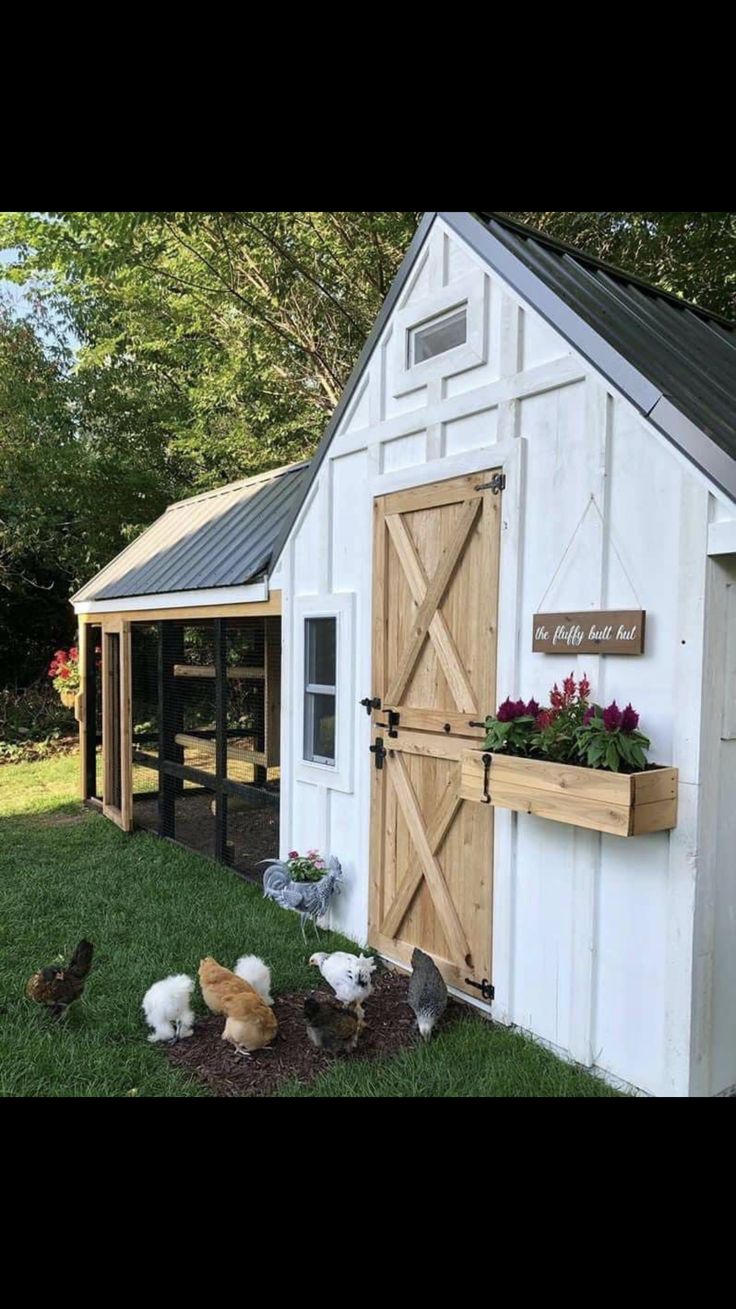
<point>170,640</point>
<point>221,690</point>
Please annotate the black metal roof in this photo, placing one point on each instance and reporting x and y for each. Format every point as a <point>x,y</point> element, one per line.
<point>675,362</point>
<point>222,538</point>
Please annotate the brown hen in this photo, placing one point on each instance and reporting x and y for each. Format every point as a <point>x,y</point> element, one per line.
<point>251,1023</point>
<point>60,985</point>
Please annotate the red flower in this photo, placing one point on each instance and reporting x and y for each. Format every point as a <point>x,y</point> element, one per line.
<point>293,854</point>
<point>532,709</point>
<point>569,688</point>
<point>64,672</point>
<point>508,711</point>
<point>544,719</point>
<point>590,714</point>
<point>556,697</point>
<point>584,688</point>
<point>73,653</point>
<point>53,668</point>
<point>629,719</point>
<point>612,717</point>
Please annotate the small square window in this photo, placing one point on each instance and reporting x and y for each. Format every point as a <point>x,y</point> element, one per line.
<point>320,689</point>
<point>437,337</point>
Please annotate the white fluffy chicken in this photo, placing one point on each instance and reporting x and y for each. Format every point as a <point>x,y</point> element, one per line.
<point>349,975</point>
<point>252,969</point>
<point>168,1008</point>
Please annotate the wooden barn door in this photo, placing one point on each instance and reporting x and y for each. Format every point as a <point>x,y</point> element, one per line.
<point>435,601</point>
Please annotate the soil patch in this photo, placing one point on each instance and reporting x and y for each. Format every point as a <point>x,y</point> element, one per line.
<point>391,1027</point>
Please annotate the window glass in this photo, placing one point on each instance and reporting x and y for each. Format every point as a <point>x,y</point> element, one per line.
<point>436,338</point>
<point>320,689</point>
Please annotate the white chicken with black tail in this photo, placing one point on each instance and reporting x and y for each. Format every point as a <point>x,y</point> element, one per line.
<point>349,975</point>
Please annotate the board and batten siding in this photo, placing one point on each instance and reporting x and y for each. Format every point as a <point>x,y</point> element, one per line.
<point>593,935</point>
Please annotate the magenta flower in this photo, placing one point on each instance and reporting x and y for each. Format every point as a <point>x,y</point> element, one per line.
<point>612,717</point>
<point>508,711</point>
<point>544,720</point>
<point>590,714</point>
<point>532,709</point>
<point>629,719</point>
<point>293,854</point>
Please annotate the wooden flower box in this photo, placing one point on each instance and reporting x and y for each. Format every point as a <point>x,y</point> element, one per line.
<point>624,804</point>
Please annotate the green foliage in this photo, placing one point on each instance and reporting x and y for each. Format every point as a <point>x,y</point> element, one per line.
<point>614,749</point>
<point>512,738</point>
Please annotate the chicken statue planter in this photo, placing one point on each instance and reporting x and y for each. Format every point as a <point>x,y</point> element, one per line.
<point>305,884</point>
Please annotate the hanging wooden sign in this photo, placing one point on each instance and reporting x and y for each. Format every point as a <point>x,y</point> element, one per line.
<point>611,631</point>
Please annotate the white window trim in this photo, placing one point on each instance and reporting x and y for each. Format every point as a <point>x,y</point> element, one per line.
<point>337,776</point>
<point>469,293</point>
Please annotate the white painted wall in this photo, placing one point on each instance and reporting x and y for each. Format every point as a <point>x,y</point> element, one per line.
<point>593,935</point>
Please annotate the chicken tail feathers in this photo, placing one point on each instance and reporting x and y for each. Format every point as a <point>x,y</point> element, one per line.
<point>81,960</point>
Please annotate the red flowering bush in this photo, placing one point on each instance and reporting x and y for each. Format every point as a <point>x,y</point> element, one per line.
<point>64,670</point>
<point>569,731</point>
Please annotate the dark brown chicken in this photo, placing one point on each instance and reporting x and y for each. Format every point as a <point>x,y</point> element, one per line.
<point>332,1026</point>
<point>60,985</point>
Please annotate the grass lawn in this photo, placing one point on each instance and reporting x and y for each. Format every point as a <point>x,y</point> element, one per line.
<point>153,909</point>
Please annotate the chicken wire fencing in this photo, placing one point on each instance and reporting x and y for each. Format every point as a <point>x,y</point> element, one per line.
<point>205,734</point>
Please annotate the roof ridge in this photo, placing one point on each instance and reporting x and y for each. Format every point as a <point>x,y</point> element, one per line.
<point>257,478</point>
<point>633,279</point>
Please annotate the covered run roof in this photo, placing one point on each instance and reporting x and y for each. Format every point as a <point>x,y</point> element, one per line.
<point>675,362</point>
<point>222,538</point>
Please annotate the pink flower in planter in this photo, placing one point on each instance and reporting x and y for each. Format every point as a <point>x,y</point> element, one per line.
<point>629,719</point>
<point>293,854</point>
<point>612,717</point>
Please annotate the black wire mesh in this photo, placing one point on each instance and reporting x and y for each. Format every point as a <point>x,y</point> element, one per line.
<point>203,699</point>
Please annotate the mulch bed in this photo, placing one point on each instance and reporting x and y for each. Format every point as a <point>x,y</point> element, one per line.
<point>390,1027</point>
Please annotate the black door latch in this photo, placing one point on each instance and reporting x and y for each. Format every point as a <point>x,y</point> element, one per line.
<point>370,704</point>
<point>379,752</point>
<point>393,721</point>
<point>486,989</point>
<point>497,484</point>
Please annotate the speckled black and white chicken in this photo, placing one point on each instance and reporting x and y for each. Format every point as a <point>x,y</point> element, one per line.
<point>427,992</point>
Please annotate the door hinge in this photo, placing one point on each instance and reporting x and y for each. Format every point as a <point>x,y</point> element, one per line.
<point>487,990</point>
<point>497,484</point>
<point>369,704</point>
<point>379,752</point>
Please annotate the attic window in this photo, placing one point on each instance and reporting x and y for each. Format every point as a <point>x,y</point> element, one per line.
<point>439,336</point>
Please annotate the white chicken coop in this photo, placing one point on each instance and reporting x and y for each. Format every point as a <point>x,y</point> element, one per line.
<point>531,473</point>
<point>527,432</point>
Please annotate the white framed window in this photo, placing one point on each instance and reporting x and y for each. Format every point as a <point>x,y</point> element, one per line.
<point>320,690</point>
<point>436,337</point>
<point>325,703</point>
<point>441,335</point>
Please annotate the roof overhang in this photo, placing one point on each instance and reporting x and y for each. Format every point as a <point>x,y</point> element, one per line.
<point>254,593</point>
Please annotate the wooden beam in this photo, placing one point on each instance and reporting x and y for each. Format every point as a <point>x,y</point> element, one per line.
<point>259,609</point>
<point>237,672</point>
<point>210,748</point>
